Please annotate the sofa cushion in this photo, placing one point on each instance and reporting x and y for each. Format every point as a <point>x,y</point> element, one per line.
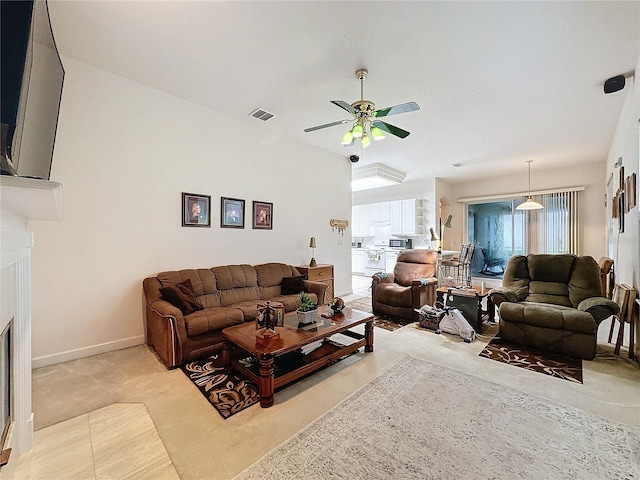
<point>547,316</point>
<point>585,280</point>
<point>181,295</point>
<point>393,294</point>
<point>236,284</point>
<point>549,292</point>
<point>292,285</point>
<point>271,274</point>
<point>550,267</point>
<point>292,302</point>
<point>212,319</point>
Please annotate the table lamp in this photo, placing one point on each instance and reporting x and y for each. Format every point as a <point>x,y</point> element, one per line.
<point>312,244</point>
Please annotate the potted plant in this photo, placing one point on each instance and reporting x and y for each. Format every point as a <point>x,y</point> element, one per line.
<point>308,309</point>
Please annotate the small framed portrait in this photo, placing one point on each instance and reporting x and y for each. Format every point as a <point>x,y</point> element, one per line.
<point>196,210</point>
<point>231,212</point>
<point>262,215</point>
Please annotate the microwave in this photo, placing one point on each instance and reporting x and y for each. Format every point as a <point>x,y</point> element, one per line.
<point>400,243</point>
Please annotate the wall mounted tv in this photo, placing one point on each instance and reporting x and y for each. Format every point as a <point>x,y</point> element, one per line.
<point>31,87</point>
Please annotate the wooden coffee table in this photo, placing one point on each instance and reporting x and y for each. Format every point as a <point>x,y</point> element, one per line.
<point>287,347</point>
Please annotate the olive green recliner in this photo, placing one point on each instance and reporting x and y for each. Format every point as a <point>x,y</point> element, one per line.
<point>552,302</point>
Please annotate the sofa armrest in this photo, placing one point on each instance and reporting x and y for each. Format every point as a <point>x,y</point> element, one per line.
<point>423,292</point>
<point>600,308</point>
<point>319,288</point>
<point>382,278</point>
<point>502,294</point>
<point>166,331</point>
<point>417,282</point>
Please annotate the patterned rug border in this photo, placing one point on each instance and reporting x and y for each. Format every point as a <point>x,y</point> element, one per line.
<point>388,323</point>
<point>535,360</point>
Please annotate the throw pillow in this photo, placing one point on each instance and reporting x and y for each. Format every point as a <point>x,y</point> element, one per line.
<point>181,296</point>
<point>292,285</point>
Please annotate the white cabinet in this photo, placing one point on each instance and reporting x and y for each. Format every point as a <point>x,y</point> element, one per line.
<point>391,259</point>
<point>357,262</point>
<point>406,217</point>
<point>395,208</point>
<point>361,220</point>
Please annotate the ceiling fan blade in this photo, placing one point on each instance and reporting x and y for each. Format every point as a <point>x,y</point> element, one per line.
<point>402,108</point>
<point>339,122</point>
<point>345,106</point>
<point>393,130</point>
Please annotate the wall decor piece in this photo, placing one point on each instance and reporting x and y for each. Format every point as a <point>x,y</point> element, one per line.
<point>262,215</point>
<point>196,210</point>
<point>340,225</point>
<point>633,192</point>
<point>231,212</point>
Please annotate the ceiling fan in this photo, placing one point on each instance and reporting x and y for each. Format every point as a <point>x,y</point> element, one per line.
<point>365,118</point>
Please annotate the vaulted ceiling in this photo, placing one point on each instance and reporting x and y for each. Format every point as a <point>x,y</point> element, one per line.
<point>498,83</point>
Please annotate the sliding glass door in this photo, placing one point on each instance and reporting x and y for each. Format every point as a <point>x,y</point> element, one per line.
<point>499,230</point>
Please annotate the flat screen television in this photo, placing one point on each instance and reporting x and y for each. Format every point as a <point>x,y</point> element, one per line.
<point>32,76</point>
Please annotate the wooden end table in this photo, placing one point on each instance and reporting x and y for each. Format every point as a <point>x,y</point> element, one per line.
<point>287,344</point>
<point>480,294</point>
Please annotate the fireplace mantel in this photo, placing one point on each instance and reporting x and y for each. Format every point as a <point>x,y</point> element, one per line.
<point>22,200</point>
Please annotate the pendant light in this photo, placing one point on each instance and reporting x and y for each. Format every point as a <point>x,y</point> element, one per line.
<point>529,204</point>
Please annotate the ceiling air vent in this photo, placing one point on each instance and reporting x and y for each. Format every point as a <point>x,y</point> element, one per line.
<point>261,114</point>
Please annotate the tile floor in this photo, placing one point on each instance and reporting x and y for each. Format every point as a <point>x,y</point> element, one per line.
<point>92,414</point>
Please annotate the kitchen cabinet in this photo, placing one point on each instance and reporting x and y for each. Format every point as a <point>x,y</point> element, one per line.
<point>361,219</point>
<point>405,216</point>
<point>357,262</point>
<point>391,259</point>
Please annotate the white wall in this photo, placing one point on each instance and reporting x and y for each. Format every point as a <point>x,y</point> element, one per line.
<point>124,153</point>
<point>591,176</point>
<point>626,246</point>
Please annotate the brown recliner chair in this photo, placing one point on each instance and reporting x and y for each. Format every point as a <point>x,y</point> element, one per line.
<point>411,285</point>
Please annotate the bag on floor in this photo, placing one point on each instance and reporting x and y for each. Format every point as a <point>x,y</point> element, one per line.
<point>454,322</point>
<point>430,316</point>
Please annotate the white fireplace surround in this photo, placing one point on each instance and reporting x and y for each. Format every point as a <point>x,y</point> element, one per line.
<point>22,200</point>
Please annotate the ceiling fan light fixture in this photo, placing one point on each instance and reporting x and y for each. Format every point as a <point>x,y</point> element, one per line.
<point>365,140</point>
<point>357,131</point>
<point>377,133</point>
<point>348,138</point>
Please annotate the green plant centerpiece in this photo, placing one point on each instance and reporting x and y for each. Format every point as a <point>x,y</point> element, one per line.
<point>308,309</point>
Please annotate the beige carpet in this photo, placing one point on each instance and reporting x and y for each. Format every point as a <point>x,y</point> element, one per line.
<point>446,424</point>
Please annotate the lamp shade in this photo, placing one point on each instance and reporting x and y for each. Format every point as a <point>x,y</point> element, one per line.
<point>529,204</point>
<point>312,242</point>
<point>348,138</point>
<point>357,131</point>
<point>447,222</point>
<point>365,140</point>
<point>376,133</point>
<point>434,235</point>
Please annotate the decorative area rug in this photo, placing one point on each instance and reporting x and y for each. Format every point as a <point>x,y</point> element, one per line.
<point>232,393</point>
<point>549,363</point>
<point>388,323</point>
<point>447,424</point>
<point>228,393</point>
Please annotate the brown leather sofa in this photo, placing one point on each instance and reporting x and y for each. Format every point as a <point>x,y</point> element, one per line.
<point>411,285</point>
<point>552,302</point>
<point>228,295</point>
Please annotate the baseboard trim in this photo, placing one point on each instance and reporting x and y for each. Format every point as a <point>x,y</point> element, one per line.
<point>84,352</point>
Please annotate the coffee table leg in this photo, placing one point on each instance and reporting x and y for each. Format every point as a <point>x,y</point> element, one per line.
<point>266,381</point>
<point>227,348</point>
<point>368,334</point>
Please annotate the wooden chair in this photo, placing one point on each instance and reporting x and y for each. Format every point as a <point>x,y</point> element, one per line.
<point>607,276</point>
<point>625,296</point>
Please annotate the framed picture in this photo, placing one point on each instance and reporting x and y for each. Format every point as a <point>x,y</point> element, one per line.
<point>262,215</point>
<point>231,212</point>
<point>196,210</point>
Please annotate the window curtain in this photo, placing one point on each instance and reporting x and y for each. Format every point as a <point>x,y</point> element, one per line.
<point>556,227</point>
